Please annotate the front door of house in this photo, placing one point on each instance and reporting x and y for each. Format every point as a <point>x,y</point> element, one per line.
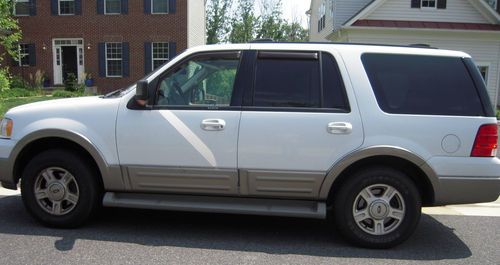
<point>68,59</point>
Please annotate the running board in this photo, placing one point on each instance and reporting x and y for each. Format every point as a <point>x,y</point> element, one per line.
<point>232,205</point>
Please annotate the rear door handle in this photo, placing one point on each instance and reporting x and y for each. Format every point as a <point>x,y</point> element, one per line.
<point>213,124</point>
<point>339,127</point>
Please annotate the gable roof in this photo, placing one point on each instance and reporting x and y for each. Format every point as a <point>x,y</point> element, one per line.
<point>482,7</point>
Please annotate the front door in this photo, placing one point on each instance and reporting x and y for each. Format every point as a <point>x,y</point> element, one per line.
<point>188,142</point>
<point>69,61</point>
<point>68,58</point>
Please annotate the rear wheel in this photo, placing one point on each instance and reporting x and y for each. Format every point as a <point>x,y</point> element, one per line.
<point>377,207</point>
<point>60,189</point>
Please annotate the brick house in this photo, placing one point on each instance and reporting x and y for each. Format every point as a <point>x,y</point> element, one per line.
<point>116,41</point>
<point>472,26</point>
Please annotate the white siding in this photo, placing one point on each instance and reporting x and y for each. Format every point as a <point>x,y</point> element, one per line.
<point>314,34</point>
<point>196,23</point>
<point>346,9</point>
<point>456,11</point>
<point>484,48</point>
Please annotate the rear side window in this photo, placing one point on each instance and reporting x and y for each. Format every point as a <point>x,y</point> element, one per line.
<point>428,85</point>
<point>287,82</point>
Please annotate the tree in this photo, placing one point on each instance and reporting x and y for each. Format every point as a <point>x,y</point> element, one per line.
<point>294,32</point>
<point>10,33</point>
<point>244,22</point>
<point>217,20</point>
<point>271,22</point>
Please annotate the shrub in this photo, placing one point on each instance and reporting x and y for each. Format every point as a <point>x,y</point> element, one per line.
<point>4,79</point>
<point>65,94</point>
<point>18,82</point>
<point>17,93</point>
<point>71,83</point>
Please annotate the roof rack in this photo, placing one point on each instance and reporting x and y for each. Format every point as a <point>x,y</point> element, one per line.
<point>417,45</point>
<point>261,40</point>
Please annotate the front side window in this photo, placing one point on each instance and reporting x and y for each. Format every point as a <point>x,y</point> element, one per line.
<point>429,3</point>
<point>287,82</point>
<point>159,6</point>
<point>66,7</point>
<point>160,54</point>
<point>22,8</point>
<point>113,6</point>
<point>114,59</point>
<point>24,55</point>
<point>204,81</point>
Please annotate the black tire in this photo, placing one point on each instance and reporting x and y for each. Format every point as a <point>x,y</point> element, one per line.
<point>363,233</point>
<point>83,180</point>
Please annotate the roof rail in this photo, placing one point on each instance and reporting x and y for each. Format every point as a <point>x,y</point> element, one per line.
<point>268,40</point>
<point>421,45</point>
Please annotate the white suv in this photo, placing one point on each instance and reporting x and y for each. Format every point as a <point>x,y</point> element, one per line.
<point>364,134</point>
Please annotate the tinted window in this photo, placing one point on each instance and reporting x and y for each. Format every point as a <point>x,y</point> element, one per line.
<point>282,82</point>
<point>413,84</point>
<point>334,95</point>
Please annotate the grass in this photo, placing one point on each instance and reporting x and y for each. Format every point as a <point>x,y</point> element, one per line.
<point>8,103</point>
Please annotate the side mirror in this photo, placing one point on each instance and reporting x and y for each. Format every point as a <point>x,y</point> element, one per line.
<point>141,92</point>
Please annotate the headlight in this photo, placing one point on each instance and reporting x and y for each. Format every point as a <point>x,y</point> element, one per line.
<point>6,128</point>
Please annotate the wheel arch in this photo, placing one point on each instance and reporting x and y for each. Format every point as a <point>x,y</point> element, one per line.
<point>37,141</point>
<point>390,156</point>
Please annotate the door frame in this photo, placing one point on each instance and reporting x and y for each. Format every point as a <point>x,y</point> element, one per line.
<point>57,44</point>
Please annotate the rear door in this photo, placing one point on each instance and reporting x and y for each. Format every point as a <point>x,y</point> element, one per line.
<point>297,120</point>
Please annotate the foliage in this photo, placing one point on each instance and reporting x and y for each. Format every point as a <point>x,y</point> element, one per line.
<point>217,20</point>
<point>18,82</point>
<point>10,33</point>
<point>4,79</point>
<point>71,83</point>
<point>19,92</point>
<point>271,22</point>
<point>67,94</point>
<point>37,79</point>
<point>294,32</point>
<point>243,24</point>
<point>220,84</point>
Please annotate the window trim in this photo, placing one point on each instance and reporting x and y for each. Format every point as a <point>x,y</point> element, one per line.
<point>59,7</point>
<point>153,53</point>
<point>112,59</point>
<point>488,67</point>
<point>22,1</point>
<point>119,12</point>
<point>25,55</point>
<point>428,7</point>
<point>160,13</point>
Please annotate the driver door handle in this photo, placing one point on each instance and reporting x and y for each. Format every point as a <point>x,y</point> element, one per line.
<point>213,124</point>
<point>339,128</point>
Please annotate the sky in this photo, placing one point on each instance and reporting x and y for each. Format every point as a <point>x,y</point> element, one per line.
<point>296,9</point>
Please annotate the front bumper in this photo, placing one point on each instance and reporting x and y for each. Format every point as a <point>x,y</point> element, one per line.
<point>465,180</point>
<point>6,167</point>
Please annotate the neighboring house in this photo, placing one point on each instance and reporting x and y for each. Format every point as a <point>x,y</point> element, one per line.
<point>116,41</point>
<point>472,26</point>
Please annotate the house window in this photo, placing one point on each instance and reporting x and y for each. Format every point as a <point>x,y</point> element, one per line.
<point>484,72</point>
<point>114,59</point>
<point>113,6</point>
<point>24,55</point>
<point>22,8</point>
<point>159,6</point>
<point>66,7</point>
<point>160,54</point>
<point>428,3</point>
<point>322,17</point>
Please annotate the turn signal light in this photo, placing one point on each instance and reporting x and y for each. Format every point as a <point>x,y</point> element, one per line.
<point>486,143</point>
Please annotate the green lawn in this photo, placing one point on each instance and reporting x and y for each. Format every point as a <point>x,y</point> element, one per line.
<point>8,103</point>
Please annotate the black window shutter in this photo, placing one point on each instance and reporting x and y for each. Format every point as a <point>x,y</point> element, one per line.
<point>32,7</point>
<point>100,7</point>
<point>441,4</point>
<point>54,8</point>
<point>32,54</point>
<point>171,6</point>
<point>172,50</point>
<point>124,6</point>
<point>126,59</point>
<point>78,7</point>
<point>102,59</point>
<point>415,3</point>
<point>147,6</point>
<point>148,57</point>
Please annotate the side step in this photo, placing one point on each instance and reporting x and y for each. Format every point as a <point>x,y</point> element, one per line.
<point>232,205</point>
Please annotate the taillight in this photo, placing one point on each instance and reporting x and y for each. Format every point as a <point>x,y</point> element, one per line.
<point>486,142</point>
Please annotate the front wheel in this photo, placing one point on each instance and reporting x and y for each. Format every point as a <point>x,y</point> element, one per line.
<point>377,208</point>
<point>60,189</point>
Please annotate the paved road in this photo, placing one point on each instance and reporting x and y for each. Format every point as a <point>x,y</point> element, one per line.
<point>120,236</point>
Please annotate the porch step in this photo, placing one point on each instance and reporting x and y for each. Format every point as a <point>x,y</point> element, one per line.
<point>231,205</point>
